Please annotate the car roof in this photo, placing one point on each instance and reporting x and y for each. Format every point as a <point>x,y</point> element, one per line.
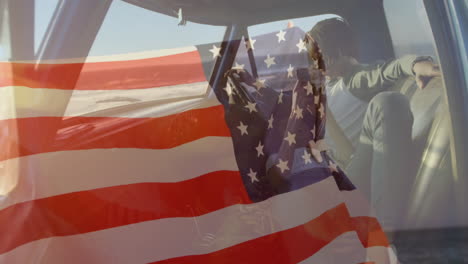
<point>248,12</point>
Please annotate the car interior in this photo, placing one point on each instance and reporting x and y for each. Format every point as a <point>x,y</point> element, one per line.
<point>432,163</point>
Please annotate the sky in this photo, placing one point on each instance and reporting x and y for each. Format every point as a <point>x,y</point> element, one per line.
<point>129,28</point>
<point>145,32</point>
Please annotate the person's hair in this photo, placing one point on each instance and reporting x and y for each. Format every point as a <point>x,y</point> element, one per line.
<point>335,38</point>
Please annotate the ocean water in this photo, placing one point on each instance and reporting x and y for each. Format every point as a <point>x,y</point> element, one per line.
<point>448,245</point>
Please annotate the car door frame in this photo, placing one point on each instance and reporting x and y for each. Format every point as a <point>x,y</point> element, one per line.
<point>449,23</point>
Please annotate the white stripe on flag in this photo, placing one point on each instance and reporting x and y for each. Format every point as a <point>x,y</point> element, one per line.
<point>357,204</point>
<point>138,103</point>
<point>48,174</point>
<point>117,57</point>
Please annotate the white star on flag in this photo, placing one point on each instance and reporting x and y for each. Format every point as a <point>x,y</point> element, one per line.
<point>291,138</point>
<point>269,61</point>
<point>238,67</point>
<point>259,149</point>
<point>298,113</point>
<point>307,157</point>
<point>270,122</point>
<point>282,165</point>
<point>216,51</point>
<point>251,107</point>
<point>301,46</point>
<point>281,35</point>
<point>309,88</point>
<point>250,43</point>
<point>243,129</point>
<point>290,71</point>
<point>260,83</point>
<point>253,176</point>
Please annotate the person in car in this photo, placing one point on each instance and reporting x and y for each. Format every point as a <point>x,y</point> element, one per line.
<point>371,125</point>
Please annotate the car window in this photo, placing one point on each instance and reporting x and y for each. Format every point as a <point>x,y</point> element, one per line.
<point>139,34</point>
<point>410,28</point>
<point>148,30</point>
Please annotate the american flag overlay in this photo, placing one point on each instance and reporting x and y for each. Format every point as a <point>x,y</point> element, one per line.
<point>134,159</point>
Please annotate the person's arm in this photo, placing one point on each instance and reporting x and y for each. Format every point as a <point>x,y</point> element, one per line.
<point>365,82</point>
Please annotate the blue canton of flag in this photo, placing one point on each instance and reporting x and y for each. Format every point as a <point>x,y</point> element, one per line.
<point>277,120</point>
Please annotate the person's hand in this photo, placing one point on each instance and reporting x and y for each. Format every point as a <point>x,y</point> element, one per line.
<point>424,71</point>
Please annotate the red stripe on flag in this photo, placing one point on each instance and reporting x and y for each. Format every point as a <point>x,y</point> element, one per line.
<point>118,75</point>
<point>289,246</point>
<point>28,136</point>
<point>87,211</point>
<point>370,232</point>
